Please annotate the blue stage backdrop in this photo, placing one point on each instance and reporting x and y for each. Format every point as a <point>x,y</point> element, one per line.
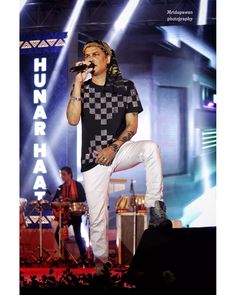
<point>43,125</point>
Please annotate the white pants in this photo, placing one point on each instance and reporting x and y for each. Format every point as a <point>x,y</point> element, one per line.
<point>96,184</point>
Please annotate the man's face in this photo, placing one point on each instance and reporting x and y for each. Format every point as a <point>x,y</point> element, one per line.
<point>97,56</point>
<point>65,176</point>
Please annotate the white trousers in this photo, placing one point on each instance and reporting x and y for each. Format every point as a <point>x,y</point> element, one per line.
<point>96,184</point>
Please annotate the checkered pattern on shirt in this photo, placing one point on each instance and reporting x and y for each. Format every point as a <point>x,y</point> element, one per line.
<point>103,106</point>
<point>98,143</point>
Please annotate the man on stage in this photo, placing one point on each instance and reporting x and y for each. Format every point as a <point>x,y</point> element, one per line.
<point>73,190</point>
<point>109,106</point>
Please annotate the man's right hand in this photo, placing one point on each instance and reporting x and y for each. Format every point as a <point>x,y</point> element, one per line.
<point>80,77</point>
<point>74,106</point>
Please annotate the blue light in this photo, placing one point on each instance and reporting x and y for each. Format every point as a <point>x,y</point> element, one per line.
<point>202,211</point>
<point>22,4</point>
<point>202,15</point>
<point>177,34</point>
<point>69,28</point>
<point>115,34</point>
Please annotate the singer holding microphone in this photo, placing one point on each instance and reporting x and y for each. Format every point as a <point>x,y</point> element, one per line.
<point>108,106</point>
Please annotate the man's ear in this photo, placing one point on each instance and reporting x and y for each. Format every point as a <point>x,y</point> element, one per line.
<point>108,59</point>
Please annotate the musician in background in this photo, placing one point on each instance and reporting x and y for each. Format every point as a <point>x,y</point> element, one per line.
<point>72,189</point>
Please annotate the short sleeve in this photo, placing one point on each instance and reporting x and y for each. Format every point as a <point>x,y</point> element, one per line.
<point>133,102</point>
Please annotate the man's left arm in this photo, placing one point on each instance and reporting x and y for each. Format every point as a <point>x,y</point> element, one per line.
<point>106,155</point>
<point>57,194</point>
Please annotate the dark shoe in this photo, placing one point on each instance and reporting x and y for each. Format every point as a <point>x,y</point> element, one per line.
<point>84,261</point>
<point>103,269</point>
<point>158,216</point>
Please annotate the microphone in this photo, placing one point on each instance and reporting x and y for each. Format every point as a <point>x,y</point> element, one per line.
<point>82,68</point>
<point>133,197</point>
<point>131,190</point>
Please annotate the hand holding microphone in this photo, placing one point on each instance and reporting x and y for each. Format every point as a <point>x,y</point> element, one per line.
<point>74,107</point>
<point>82,69</point>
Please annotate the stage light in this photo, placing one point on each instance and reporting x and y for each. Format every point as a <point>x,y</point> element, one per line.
<point>69,28</point>
<point>202,14</point>
<point>210,105</point>
<point>201,212</point>
<point>205,174</point>
<point>115,34</point>
<point>85,230</point>
<point>215,98</point>
<point>52,168</point>
<point>126,14</point>
<point>177,34</point>
<point>209,140</point>
<point>22,4</point>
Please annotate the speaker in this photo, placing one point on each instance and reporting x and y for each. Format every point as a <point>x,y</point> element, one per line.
<point>125,234</point>
<point>178,261</point>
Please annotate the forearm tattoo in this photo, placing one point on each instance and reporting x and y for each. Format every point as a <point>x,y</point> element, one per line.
<point>127,137</point>
<point>126,134</point>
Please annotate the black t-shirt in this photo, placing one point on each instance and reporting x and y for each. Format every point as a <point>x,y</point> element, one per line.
<point>103,115</point>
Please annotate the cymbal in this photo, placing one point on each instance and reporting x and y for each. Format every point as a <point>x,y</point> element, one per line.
<point>34,202</point>
<point>39,203</point>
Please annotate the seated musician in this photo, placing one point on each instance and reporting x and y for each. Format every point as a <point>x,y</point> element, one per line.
<point>72,189</point>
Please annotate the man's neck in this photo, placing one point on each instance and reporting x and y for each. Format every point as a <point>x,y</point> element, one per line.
<point>100,79</point>
<point>68,182</point>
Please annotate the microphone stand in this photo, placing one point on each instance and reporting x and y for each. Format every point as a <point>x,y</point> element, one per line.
<point>41,260</point>
<point>133,204</point>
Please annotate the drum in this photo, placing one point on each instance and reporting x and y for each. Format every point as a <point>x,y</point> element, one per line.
<point>125,203</point>
<point>63,207</point>
<point>139,200</point>
<point>77,208</point>
<point>23,203</point>
<point>122,204</point>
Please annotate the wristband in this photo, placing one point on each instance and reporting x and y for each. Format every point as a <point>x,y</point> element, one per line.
<point>115,147</point>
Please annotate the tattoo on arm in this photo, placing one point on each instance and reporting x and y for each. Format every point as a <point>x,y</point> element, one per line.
<point>127,134</point>
<point>127,137</point>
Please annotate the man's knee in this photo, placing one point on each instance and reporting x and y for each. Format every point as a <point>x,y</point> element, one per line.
<point>151,146</point>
